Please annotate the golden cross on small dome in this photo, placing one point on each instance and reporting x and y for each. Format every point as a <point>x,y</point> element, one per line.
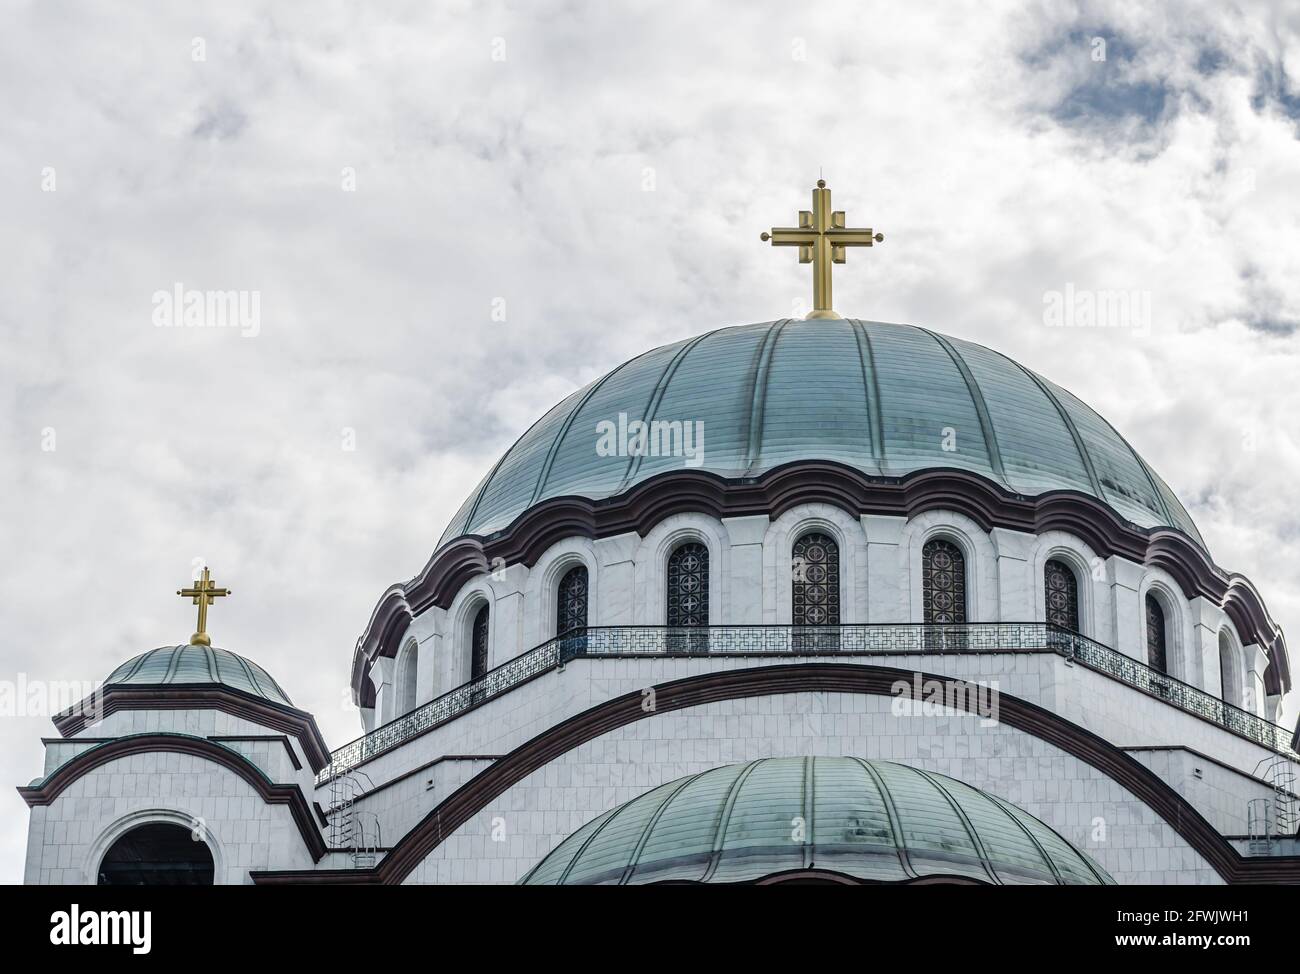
<point>203,592</point>
<point>821,237</point>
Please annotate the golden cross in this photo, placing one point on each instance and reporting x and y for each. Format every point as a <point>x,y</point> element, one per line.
<point>821,237</point>
<point>203,592</point>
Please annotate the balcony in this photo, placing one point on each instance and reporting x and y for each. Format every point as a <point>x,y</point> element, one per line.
<point>890,639</point>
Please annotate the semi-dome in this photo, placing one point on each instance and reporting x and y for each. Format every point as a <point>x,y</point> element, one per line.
<point>886,399</point>
<point>875,821</point>
<point>192,665</point>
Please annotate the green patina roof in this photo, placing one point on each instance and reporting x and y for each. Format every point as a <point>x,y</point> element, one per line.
<point>871,395</point>
<point>197,666</point>
<point>873,820</point>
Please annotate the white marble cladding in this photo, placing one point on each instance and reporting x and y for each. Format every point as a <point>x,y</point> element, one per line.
<point>271,757</point>
<point>518,828</point>
<point>1120,714</point>
<point>68,838</point>
<point>880,571</point>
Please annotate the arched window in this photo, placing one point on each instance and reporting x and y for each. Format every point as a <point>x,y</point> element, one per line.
<point>688,597</point>
<point>688,585</point>
<point>815,581</point>
<point>478,659</point>
<point>407,665</point>
<point>1229,672</point>
<point>1157,658</point>
<point>1062,595</point>
<point>943,583</point>
<point>157,854</point>
<point>571,601</point>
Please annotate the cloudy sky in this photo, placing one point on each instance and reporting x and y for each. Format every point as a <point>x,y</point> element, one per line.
<point>384,175</point>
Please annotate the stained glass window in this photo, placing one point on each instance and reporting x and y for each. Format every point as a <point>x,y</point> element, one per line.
<point>943,582</point>
<point>1062,595</point>
<point>571,601</point>
<point>688,585</point>
<point>815,581</point>
<point>479,644</point>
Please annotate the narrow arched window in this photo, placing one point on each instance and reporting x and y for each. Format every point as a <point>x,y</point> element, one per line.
<point>815,581</point>
<point>571,601</point>
<point>1157,657</point>
<point>688,585</point>
<point>478,660</point>
<point>1229,672</point>
<point>407,666</point>
<point>943,583</point>
<point>1062,595</point>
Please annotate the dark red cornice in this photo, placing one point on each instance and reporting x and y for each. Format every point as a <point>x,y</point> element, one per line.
<point>216,696</point>
<point>817,481</point>
<point>122,747</point>
<point>476,794</point>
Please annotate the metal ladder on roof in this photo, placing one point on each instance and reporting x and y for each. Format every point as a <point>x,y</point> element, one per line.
<point>1277,815</point>
<point>352,830</point>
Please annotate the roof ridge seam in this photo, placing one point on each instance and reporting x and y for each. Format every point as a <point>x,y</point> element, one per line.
<point>631,867</point>
<point>981,407</point>
<point>1042,850</point>
<point>985,859</point>
<point>1088,466</point>
<point>545,472</point>
<point>1146,471</point>
<point>758,393</point>
<point>724,818</point>
<point>656,397</point>
<point>871,389</point>
<point>891,812</point>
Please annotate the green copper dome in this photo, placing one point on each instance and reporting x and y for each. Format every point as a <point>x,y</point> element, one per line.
<point>197,666</point>
<point>887,399</point>
<point>870,820</point>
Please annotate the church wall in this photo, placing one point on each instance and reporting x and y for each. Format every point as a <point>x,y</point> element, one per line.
<point>880,561</point>
<point>272,758</point>
<point>523,824</point>
<point>68,837</point>
<point>1218,793</point>
<point>1118,713</point>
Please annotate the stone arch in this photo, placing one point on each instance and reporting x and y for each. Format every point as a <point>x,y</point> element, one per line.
<point>779,540</point>
<point>649,604</point>
<point>977,549</point>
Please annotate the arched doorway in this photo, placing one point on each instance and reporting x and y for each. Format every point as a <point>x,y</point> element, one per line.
<point>157,854</point>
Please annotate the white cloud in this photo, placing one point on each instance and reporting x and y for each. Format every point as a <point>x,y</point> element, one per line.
<point>950,129</point>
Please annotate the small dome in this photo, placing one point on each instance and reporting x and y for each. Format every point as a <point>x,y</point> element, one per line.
<point>191,665</point>
<point>871,820</point>
<point>874,396</point>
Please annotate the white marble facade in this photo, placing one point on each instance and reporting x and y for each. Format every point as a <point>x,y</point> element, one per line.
<point>750,560</point>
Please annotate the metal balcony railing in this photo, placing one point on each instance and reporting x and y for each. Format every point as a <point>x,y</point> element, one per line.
<point>857,640</point>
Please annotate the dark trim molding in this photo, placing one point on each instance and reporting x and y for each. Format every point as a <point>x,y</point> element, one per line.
<point>817,481</point>
<point>472,797</point>
<point>122,747</point>
<point>216,696</point>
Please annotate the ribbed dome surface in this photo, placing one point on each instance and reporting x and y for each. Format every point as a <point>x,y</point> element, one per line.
<point>872,820</point>
<point>878,397</point>
<point>197,666</point>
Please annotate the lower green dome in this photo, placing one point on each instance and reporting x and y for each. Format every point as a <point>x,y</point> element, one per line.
<point>874,821</point>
